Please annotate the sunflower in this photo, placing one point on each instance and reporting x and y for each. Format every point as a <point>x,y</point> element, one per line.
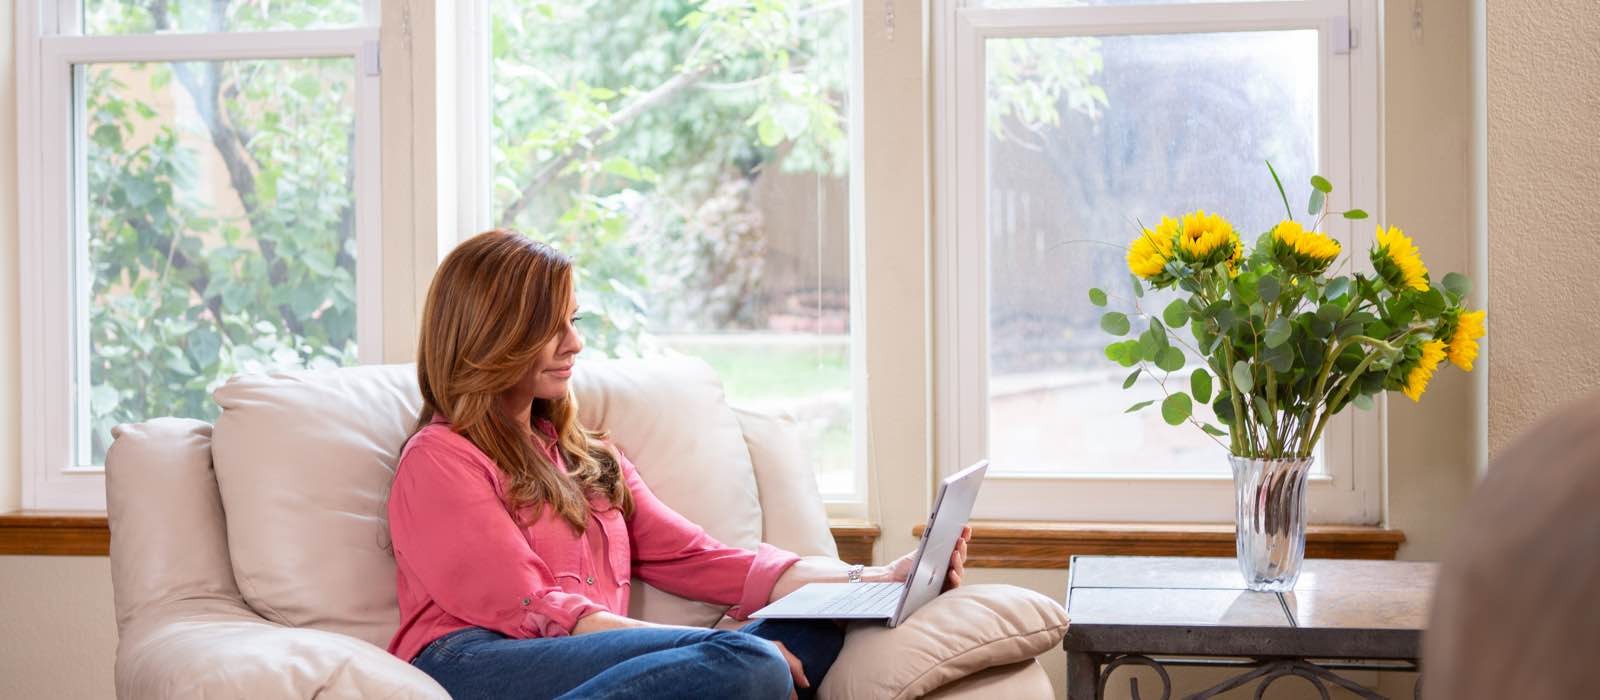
<point>1300,251</point>
<point>1463,346</point>
<point>1207,239</point>
<point>1418,376</point>
<point>1148,255</point>
<point>1397,261</point>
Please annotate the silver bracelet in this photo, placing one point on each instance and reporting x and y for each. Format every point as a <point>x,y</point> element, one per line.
<point>854,572</point>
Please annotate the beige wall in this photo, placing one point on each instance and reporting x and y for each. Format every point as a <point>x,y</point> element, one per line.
<point>1427,192</point>
<point>60,631</point>
<point>1544,164</point>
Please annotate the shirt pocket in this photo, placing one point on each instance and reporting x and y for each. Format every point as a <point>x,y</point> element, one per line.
<point>562,552</point>
<point>618,547</point>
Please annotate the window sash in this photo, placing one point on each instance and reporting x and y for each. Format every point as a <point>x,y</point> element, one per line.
<point>473,208</point>
<point>1354,452</point>
<point>53,252</point>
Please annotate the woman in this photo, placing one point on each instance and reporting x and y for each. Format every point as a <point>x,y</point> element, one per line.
<point>516,529</point>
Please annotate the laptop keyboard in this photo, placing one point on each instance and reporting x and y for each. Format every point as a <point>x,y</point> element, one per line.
<point>864,598</point>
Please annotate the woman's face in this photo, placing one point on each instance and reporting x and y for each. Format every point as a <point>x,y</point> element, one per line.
<point>552,367</point>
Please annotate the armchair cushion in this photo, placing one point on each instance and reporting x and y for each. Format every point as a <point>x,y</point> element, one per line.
<point>793,516</point>
<point>669,416</point>
<point>210,649</point>
<point>304,461</point>
<point>954,636</point>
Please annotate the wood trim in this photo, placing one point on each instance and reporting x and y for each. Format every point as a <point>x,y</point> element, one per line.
<point>855,539</point>
<point>1050,545</point>
<point>86,533</point>
<point>55,532</point>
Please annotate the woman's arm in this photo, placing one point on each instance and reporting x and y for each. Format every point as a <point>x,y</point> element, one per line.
<point>826,570</point>
<point>680,557</point>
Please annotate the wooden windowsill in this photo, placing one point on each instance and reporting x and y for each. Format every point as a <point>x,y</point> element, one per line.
<point>85,533</point>
<point>54,532</point>
<point>1050,545</point>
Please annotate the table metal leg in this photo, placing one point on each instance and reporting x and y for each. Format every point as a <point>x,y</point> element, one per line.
<point>1083,675</point>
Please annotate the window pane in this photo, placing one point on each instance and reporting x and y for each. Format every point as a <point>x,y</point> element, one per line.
<point>1087,138</point>
<point>220,232</point>
<point>126,17</point>
<point>693,160</point>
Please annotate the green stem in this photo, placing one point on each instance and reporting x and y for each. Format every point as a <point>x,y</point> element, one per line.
<point>1327,412</point>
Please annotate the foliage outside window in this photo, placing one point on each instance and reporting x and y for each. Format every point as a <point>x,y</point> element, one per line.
<point>220,213</point>
<point>692,157</point>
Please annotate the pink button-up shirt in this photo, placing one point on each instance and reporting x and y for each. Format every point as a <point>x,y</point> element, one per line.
<point>461,561</point>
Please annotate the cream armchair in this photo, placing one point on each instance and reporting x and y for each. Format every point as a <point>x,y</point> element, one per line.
<point>251,558</point>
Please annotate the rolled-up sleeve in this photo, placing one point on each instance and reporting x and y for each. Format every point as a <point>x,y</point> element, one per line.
<point>680,557</point>
<point>451,531</point>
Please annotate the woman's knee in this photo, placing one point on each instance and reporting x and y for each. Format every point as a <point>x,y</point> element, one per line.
<point>758,669</point>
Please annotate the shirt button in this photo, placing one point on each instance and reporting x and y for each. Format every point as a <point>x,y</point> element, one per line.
<point>589,580</point>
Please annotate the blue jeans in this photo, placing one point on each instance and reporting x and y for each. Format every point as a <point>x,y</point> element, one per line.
<point>642,662</point>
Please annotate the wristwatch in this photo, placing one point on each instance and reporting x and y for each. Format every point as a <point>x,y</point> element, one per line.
<point>854,572</point>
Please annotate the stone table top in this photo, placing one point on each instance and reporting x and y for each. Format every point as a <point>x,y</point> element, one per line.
<point>1340,608</point>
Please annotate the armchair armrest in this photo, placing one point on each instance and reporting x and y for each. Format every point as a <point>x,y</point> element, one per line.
<point>221,649</point>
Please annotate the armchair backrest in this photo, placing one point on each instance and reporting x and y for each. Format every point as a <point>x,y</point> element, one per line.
<point>303,463</point>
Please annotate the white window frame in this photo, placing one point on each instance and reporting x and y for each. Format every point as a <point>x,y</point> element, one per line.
<point>473,206</point>
<point>54,319</point>
<point>1349,154</point>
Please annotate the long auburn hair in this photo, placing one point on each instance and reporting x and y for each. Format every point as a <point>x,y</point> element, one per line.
<point>495,302</point>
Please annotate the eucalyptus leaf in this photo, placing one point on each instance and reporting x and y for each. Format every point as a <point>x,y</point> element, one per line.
<point>1139,406</point>
<point>1097,296</point>
<point>1200,385</point>
<point>1458,284</point>
<point>1222,406</point>
<point>1431,304</point>
<point>1138,287</point>
<point>1176,408</point>
<point>1115,323</point>
<point>1355,214</point>
<point>1278,333</point>
<point>1132,378</point>
<point>1214,430</point>
<point>1176,313</point>
<point>1318,199</point>
<point>1241,377</point>
<point>1321,184</point>
<point>1280,358</point>
<point>1267,288</point>
<point>1328,314</point>
<point>1337,287</point>
<point>1363,402</point>
<point>1170,360</point>
<point>1151,343</point>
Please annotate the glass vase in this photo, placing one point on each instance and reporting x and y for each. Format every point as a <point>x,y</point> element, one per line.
<point>1270,520</point>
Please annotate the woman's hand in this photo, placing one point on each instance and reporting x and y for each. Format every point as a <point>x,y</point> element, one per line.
<point>795,669</point>
<point>900,569</point>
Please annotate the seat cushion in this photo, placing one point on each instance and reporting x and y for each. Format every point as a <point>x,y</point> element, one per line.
<point>954,636</point>
<point>793,515</point>
<point>303,462</point>
<point>669,416</point>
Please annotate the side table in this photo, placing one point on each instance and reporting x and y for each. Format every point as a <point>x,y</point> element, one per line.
<point>1160,612</point>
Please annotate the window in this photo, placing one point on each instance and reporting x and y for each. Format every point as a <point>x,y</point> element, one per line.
<point>202,201</point>
<point>1061,126</point>
<point>693,159</point>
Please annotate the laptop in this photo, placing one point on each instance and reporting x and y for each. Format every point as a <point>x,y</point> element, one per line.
<point>894,602</point>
